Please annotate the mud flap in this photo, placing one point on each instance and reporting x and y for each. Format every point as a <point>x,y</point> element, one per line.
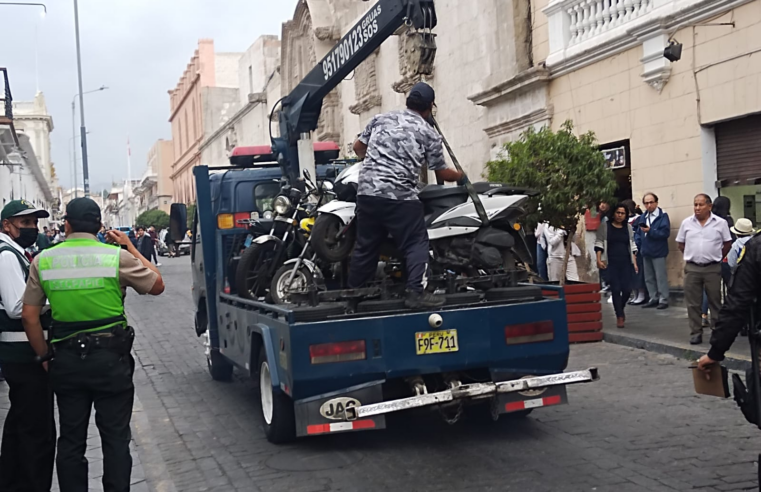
<point>326,414</point>
<point>526,400</point>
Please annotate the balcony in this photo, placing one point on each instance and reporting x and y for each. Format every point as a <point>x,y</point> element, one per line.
<point>582,32</point>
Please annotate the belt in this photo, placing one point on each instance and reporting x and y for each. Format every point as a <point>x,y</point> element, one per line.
<point>17,336</point>
<point>704,264</point>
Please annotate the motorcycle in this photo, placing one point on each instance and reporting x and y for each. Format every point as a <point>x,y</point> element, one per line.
<point>269,253</point>
<point>459,241</point>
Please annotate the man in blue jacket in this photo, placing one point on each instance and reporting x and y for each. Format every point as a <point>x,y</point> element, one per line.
<point>654,231</point>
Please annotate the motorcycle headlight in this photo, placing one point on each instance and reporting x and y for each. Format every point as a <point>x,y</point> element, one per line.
<point>282,205</point>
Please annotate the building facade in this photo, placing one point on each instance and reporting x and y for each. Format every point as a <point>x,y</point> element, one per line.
<point>204,93</point>
<point>155,189</point>
<point>26,170</point>
<point>687,127</point>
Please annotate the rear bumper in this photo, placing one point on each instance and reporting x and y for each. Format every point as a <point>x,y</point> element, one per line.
<point>471,391</point>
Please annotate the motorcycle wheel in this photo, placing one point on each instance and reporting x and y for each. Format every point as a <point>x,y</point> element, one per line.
<point>281,292</point>
<point>325,243</point>
<point>251,279</point>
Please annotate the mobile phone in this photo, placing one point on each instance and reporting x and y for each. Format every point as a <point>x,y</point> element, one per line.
<point>643,225</point>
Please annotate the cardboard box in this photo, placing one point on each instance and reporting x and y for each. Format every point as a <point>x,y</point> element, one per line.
<point>718,385</point>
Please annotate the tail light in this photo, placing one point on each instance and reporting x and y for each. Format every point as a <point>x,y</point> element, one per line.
<point>337,352</point>
<point>541,331</point>
<point>241,216</point>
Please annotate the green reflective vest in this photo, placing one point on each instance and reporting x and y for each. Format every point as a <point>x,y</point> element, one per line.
<point>18,350</point>
<point>80,278</point>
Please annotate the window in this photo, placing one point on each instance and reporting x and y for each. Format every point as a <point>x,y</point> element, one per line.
<point>264,195</point>
<point>250,79</point>
<point>195,130</point>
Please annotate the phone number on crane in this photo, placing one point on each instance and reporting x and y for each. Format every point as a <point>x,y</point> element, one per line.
<point>352,43</point>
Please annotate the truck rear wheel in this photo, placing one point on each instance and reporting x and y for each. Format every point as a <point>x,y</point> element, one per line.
<point>278,415</point>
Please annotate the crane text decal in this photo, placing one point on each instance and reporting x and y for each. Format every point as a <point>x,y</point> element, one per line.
<point>351,43</point>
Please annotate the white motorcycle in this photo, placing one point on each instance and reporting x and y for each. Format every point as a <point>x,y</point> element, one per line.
<point>460,241</point>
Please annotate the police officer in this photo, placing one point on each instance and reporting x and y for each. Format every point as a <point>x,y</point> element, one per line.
<point>85,280</point>
<point>28,444</point>
<point>735,313</point>
<point>394,147</point>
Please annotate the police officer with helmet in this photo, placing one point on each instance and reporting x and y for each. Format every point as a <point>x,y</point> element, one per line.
<point>28,442</point>
<point>85,282</point>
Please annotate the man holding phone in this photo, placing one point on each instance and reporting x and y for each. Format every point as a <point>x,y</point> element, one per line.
<point>654,231</point>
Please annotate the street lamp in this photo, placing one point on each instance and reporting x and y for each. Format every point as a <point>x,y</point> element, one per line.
<point>44,7</point>
<point>84,138</point>
<point>83,128</point>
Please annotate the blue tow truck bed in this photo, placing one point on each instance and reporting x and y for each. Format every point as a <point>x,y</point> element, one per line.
<point>325,369</point>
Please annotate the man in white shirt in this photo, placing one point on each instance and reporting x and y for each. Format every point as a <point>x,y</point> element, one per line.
<point>704,239</point>
<point>28,441</point>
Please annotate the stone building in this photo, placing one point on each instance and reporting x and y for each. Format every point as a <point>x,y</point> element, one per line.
<point>246,120</point>
<point>687,127</point>
<point>204,94</point>
<point>26,170</point>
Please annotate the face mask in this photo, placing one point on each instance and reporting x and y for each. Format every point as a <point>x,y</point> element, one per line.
<point>27,236</point>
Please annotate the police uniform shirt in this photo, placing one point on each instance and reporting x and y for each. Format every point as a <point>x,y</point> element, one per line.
<point>132,273</point>
<point>12,281</point>
<point>398,143</point>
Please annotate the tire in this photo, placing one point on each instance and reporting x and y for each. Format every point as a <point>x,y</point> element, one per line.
<point>316,313</point>
<point>509,293</point>
<point>301,281</point>
<point>219,368</point>
<point>324,241</point>
<point>256,257</point>
<point>276,408</point>
<point>381,306</point>
<point>462,298</point>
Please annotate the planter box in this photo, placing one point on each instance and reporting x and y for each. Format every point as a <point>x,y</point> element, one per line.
<point>584,311</point>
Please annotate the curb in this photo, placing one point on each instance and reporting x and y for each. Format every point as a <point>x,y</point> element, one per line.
<point>682,352</point>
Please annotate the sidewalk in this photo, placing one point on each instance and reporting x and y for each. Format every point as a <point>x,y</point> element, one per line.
<point>666,331</point>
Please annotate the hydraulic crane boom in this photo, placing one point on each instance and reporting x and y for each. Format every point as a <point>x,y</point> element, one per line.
<point>301,108</point>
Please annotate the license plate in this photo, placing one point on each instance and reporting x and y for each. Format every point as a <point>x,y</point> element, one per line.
<point>436,342</point>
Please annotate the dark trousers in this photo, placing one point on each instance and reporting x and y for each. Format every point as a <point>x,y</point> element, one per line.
<point>697,279</point>
<point>376,219</point>
<point>620,274</point>
<point>102,379</point>
<point>28,446</point>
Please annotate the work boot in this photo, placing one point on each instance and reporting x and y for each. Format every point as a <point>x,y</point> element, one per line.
<point>620,322</point>
<point>423,300</point>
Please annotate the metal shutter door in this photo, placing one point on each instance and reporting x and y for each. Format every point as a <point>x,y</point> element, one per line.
<point>738,149</point>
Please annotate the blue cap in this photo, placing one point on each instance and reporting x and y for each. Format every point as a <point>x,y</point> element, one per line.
<point>422,92</point>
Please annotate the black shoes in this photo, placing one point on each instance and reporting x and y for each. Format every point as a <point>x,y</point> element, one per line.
<point>663,305</point>
<point>653,303</point>
<point>423,300</point>
<point>696,339</point>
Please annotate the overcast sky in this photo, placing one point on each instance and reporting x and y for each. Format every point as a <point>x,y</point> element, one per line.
<point>139,49</point>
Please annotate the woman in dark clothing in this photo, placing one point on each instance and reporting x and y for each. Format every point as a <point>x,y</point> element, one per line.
<point>615,253</point>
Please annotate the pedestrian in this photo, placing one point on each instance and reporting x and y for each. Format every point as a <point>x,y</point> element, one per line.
<point>743,229</point>
<point>654,231</point>
<point>741,299</point>
<point>394,147</point>
<point>603,209</point>
<point>90,339</point>
<point>132,237</point>
<point>42,241</point>
<point>102,235</point>
<point>639,289</point>
<point>721,207</point>
<point>144,243</point>
<point>28,443</point>
<point>541,251</point>
<point>556,246</point>
<point>615,251</point>
<point>705,240</point>
<point>155,240</point>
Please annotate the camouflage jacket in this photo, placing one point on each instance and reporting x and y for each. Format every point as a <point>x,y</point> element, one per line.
<point>398,143</point>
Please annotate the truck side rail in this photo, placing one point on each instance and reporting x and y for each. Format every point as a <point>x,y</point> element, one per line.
<point>262,308</point>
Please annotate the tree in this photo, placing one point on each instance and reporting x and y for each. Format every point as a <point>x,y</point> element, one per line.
<point>191,213</point>
<point>157,218</point>
<point>569,172</point>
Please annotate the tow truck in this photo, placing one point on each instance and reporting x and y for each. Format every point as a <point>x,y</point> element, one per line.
<point>329,368</point>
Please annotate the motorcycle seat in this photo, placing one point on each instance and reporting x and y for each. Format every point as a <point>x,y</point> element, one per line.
<point>434,192</point>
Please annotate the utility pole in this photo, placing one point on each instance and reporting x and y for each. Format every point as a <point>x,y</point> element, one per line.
<point>82,129</point>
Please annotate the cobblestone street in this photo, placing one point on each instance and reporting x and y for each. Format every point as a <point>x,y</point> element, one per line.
<point>641,428</point>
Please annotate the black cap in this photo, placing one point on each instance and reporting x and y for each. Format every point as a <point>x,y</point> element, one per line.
<point>84,209</point>
<point>422,92</point>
